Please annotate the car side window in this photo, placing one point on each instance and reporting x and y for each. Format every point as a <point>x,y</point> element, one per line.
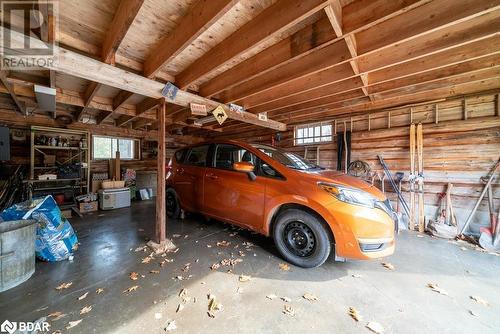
<point>197,156</point>
<point>226,155</point>
<point>179,155</point>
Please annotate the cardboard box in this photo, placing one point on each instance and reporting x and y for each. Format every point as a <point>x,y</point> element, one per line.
<point>86,207</point>
<point>66,213</point>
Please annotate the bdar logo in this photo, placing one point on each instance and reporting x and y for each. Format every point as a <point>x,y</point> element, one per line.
<point>9,327</point>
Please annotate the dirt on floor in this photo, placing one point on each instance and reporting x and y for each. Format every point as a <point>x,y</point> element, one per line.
<point>223,280</point>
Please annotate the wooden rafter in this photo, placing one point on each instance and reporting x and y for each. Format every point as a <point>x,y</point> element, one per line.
<point>21,108</point>
<point>75,64</point>
<point>122,20</point>
<point>268,24</point>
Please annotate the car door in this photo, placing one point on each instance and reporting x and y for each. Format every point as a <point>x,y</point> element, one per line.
<point>189,178</point>
<point>231,195</point>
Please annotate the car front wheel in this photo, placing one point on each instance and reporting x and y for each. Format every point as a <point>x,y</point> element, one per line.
<point>302,238</point>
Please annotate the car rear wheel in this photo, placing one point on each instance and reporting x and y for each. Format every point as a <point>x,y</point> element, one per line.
<point>302,238</point>
<point>173,207</point>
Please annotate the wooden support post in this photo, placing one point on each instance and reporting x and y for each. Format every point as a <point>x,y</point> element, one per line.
<point>464,105</point>
<point>335,127</point>
<point>161,212</point>
<point>411,115</point>
<point>351,124</point>
<point>436,113</point>
<point>389,120</point>
<point>369,125</point>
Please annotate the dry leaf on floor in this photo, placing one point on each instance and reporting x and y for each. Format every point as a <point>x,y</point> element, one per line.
<point>434,287</point>
<point>83,296</point>
<point>288,310</point>
<point>245,278</point>
<point>170,326</point>
<point>223,243</point>
<point>147,259</point>
<point>56,315</point>
<point>134,276</point>
<point>215,266</point>
<point>154,271</point>
<point>472,313</point>
<point>72,324</point>
<point>271,296</point>
<point>86,309</point>
<point>388,265</point>
<point>286,299</point>
<point>310,297</point>
<point>375,327</point>
<point>354,314</point>
<point>357,275</point>
<point>132,288</point>
<point>64,286</point>
<point>284,266</point>
<point>480,300</point>
<point>183,293</point>
<point>213,307</point>
<point>180,307</point>
<point>100,290</point>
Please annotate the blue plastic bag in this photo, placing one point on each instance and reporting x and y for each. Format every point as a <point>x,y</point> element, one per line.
<point>55,238</point>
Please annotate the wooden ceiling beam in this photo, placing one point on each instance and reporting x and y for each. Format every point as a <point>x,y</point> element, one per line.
<point>21,108</point>
<point>78,65</point>
<point>122,21</point>
<point>299,91</point>
<point>273,21</point>
<point>431,93</point>
<point>315,36</point>
<point>141,108</point>
<point>202,16</point>
<point>477,26</point>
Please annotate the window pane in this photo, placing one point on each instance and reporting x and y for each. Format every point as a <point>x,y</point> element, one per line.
<point>102,148</point>
<point>197,156</point>
<point>126,148</point>
<point>313,133</point>
<point>227,155</point>
<point>300,133</point>
<point>326,130</point>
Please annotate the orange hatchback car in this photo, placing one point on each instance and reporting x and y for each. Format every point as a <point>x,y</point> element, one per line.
<point>309,211</point>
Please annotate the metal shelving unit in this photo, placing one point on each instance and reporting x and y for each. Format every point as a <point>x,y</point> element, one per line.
<point>74,155</point>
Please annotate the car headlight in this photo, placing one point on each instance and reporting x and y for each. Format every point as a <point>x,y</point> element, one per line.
<point>349,195</point>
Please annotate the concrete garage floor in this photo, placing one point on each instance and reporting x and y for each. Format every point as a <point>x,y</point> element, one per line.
<point>398,299</point>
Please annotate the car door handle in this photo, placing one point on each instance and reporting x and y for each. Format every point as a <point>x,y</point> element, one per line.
<point>212,176</point>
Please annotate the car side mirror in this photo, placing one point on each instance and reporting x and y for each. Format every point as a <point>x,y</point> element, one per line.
<point>245,167</point>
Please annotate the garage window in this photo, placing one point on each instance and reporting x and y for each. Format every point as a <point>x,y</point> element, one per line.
<point>104,147</point>
<point>313,133</point>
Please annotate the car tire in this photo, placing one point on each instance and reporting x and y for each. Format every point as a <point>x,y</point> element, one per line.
<point>173,207</point>
<point>302,238</point>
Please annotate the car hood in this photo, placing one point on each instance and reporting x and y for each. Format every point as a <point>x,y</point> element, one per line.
<point>339,178</point>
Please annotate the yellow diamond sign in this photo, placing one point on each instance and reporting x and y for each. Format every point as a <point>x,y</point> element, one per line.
<point>219,114</point>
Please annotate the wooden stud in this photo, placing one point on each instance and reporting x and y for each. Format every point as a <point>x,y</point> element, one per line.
<point>335,127</point>
<point>161,210</point>
<point>369,122</point>
<point>351,123</point>
<point>411,115</point>
<point>464,109</point>
<point>497,105</point>
<point>436,113</point>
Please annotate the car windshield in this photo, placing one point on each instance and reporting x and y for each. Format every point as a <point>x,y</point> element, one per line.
<point>288,159</point>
